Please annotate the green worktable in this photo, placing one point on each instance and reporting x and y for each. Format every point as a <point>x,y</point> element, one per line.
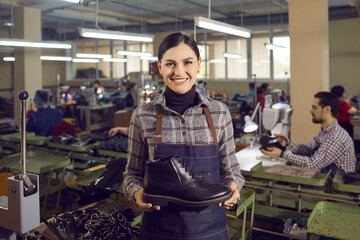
<point>247,201</point>
<point>40,163</point>
<point>335,220</point>
<point>37,162</point>
<point>31,139</point>
<point>339,184</point>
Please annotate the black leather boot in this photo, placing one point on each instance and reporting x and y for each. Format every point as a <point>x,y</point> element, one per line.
<point>168,180</point>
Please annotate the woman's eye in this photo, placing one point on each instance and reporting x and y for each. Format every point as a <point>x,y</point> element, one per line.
<point>169,64</point>
<point>188,62</point>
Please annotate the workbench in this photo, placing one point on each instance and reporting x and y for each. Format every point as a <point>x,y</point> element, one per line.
<point>88,121</point>
<point>334,220</point>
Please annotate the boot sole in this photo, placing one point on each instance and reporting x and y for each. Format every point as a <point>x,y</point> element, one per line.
<point>163,201</point>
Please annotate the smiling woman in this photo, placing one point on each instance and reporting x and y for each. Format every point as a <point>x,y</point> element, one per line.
<point>175,140</point>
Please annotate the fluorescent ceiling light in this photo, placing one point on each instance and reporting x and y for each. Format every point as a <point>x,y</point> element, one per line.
<point>55,58</point>
<point>115,60</point>
<point>37,44</point>
<point>214,25</point>
<point>134,53</point>
<point>9,59</point>
<point>274,47</point>
<point>93,55</point>
<point>232,55</point>
<point>216,61</point>
<point>115,35</point>
<point>85,60</point>
<point>73,1</point>
<point>149,58</point>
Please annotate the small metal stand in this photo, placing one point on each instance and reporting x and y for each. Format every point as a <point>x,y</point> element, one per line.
<point>22,212</point>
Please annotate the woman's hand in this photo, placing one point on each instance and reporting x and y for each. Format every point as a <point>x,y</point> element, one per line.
<point>235,196</point>
<point>146,207</point>
<point>282,139</point>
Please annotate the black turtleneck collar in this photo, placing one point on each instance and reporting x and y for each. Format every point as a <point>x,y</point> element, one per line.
<point>181,102</point>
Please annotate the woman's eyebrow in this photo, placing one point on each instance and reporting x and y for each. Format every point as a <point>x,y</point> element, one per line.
<point>170,60</point>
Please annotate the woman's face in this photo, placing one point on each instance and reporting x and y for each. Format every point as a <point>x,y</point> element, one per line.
<point>179,67</point>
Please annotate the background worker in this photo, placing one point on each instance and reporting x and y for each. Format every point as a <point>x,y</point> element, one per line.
<point>332,147</point>
<point>45,118</point>
<point>346,110</point>
<point>263,90</point>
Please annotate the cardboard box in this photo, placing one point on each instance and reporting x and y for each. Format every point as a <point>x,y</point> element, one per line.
<point>122,118</point>
<point>83,135</point>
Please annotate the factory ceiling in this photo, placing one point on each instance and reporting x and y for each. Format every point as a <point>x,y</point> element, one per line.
<point>61,20</point>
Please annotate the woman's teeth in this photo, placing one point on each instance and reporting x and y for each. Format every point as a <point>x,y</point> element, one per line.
<point>180,80</point>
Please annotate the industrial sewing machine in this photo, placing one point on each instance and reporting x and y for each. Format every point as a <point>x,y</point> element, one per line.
<point>20,210</point>
<point>276,119</point>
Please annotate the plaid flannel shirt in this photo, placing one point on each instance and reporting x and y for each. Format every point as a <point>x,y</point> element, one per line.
<point>190,128</point>
<point>331,145</point>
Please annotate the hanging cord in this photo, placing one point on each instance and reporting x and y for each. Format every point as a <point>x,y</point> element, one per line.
<point>12,20</point>
<point>97,15</point>
<point>209,9</point>
<point>241,12</point>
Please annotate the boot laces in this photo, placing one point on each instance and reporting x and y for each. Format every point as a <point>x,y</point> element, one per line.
<point>187,169</point>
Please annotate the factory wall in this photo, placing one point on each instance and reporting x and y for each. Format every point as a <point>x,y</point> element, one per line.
<point>344,36</point>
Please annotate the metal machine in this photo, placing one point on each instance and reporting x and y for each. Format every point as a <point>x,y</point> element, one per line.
<point>277,119</point>
<point>20,210</point>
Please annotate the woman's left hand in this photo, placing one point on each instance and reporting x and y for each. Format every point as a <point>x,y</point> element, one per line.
<point>235,196</point>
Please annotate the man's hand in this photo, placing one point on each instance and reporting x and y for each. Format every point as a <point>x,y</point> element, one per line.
<point>235,196</point>
<point>282,139</point>
<point>273,152</point>
<point>146,207</point>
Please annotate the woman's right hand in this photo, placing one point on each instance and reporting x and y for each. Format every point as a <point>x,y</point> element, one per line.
<point>146,207</point>
<point>282,139</point>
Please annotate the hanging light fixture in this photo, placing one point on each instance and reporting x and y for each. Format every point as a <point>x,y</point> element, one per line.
<point>115,35</point>
<point>9,59</point>
<point>85,60</point>
<point>152,58</point>
<point>232,55</point>
<point>114,59</point>
<point>37,44</point>
<point>272,46</point>
<point>218,26</point>
<point>73,1</point>
<point>93,55</point>
<point>55,58</point>
<point>134,53</point>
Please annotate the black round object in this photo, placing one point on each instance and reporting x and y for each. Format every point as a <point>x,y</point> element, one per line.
<point>23,95</point>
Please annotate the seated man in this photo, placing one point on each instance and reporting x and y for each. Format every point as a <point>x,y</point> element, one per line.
<point>332,148</point>
<point>45,118</point>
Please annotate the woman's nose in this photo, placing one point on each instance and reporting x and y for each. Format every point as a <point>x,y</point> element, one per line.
<point>178,70</point>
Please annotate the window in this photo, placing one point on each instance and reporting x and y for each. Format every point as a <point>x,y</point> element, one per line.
<point>237,68</point>
<point>118,68</point>
<point>281,57</point>
<point>260,58</point>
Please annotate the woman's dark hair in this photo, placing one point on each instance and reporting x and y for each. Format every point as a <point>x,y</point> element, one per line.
<point>175,39</point>
<point>329,99</point>
<point>263,87</point>
<point>338,90</point>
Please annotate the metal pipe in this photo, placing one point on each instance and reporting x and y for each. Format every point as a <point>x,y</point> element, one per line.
<point>23,95</point>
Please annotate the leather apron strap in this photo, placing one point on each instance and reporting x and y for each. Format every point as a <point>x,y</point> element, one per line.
<point>159,117</point>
